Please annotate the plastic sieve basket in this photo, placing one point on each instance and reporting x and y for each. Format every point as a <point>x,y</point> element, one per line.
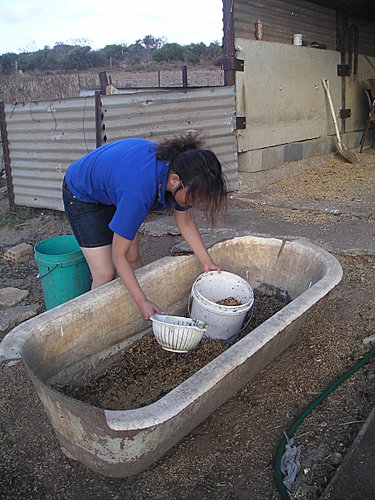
<point>176,333</point>
<point>63,271</point>
<point>223,322</point>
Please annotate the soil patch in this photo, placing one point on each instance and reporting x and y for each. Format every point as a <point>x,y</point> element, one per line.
<point>231,454</point>
<point>337,185</point>
<point>145,372</point>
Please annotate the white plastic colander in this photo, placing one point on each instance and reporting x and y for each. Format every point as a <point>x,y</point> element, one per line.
<point>176,333</point>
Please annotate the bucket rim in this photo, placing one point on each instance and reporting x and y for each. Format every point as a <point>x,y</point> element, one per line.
<point>47,240</point>
<point>234,309</point>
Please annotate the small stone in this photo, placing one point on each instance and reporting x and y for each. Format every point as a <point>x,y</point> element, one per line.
<point>336,458</point>
<point>11,296</point>
<point>11,317</point>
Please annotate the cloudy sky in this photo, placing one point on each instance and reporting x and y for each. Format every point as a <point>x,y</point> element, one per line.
<point>31,24</point>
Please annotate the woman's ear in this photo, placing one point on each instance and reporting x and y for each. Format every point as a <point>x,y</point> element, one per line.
<point>173,180</point>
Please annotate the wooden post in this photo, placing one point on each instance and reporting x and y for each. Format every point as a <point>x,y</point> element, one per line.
<point>103,81</point>
<point>184,76</point>
<point>5,144</point>
<point>228,40</point>
<point>98,119</point>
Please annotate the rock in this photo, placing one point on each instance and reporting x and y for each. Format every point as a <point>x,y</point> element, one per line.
<point>337,458</point>
<point>159,228</point>
<point>209,239</point>
<point>11,317</point>
<point>11,296</point>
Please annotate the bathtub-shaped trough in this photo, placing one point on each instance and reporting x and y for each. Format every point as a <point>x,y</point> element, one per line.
<point>71,341</point>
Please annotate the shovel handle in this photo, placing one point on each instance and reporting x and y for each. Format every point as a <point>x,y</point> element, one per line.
<point>326,88</point>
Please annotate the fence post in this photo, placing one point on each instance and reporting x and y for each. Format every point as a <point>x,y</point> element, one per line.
<point>98,119</point>
<point>103,81</point>
<point>184,76</point>
<point>228,42</point>
<point>5,144</point>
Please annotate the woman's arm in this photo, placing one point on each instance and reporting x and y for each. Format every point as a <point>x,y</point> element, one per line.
<point>120,247</point>
<point>192,237</point>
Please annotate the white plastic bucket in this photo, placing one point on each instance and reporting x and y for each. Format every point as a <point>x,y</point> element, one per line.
<point>223,322</point>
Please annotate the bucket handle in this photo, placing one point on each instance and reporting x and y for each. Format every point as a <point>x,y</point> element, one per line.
<point>49,271</point>
<point>248,320</point>
<point>190,301</point>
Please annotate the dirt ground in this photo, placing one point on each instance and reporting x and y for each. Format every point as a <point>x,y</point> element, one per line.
<point>230,455</point>
<point>145,372</point>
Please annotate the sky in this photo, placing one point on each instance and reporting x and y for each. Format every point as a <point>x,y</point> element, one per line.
<point>29,25</point>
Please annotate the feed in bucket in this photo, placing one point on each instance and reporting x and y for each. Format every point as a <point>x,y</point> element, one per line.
<point>229,301</point>
<point>176,333</point>
<point>224,322</point>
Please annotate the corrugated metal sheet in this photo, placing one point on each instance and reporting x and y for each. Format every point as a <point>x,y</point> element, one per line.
<point>366,35</point>
<point>163,113</point>
<point>44,138</point>
<point>282,18</point>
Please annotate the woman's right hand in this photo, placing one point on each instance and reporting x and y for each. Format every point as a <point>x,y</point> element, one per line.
<point>148,309</point>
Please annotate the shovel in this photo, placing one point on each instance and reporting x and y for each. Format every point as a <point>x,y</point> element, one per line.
<point>343,150</point>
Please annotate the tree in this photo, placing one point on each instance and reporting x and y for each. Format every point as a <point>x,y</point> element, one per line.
<point>76,58</point>
<point>150,43</point>
<point>79,55</point>
<point>169,52</point>
<point>61,48</point>
<point>8,62</point>
<point>135,53</point>
<point>115,52</point>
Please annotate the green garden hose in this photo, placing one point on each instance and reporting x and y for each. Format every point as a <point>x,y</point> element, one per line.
<point>278,476</point>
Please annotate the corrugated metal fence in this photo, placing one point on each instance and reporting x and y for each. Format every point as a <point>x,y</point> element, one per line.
<point>45,137</point>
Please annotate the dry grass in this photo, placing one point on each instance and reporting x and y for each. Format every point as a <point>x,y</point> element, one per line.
<point>57,85</point>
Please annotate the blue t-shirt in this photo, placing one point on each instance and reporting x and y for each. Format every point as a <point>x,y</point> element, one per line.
<point>126,174</point>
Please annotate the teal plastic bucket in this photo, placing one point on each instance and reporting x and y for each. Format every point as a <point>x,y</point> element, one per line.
<point>63,270</point>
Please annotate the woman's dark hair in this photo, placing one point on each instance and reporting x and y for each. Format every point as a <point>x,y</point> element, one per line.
<point>199,170</point>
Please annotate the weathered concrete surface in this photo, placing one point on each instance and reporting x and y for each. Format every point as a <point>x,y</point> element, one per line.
<point>11,296</point>
<point>11,317</point>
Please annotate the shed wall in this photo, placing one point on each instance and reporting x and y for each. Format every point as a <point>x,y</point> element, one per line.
<point>287,114</point>
<point>283,18</point>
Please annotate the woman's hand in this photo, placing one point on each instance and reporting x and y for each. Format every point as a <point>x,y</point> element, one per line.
<point>211,266</point>
<point>148,309</point>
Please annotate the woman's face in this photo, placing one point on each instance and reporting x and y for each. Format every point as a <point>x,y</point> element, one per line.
<point>181,192</point>
<point>181,195</point>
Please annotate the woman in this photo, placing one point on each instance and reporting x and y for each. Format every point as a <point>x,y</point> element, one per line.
<point>108,193</point>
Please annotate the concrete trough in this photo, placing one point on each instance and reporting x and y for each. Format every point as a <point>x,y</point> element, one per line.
<point>73,340</point>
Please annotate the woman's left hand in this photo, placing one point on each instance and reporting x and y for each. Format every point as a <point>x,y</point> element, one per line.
<point>211,266</point>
